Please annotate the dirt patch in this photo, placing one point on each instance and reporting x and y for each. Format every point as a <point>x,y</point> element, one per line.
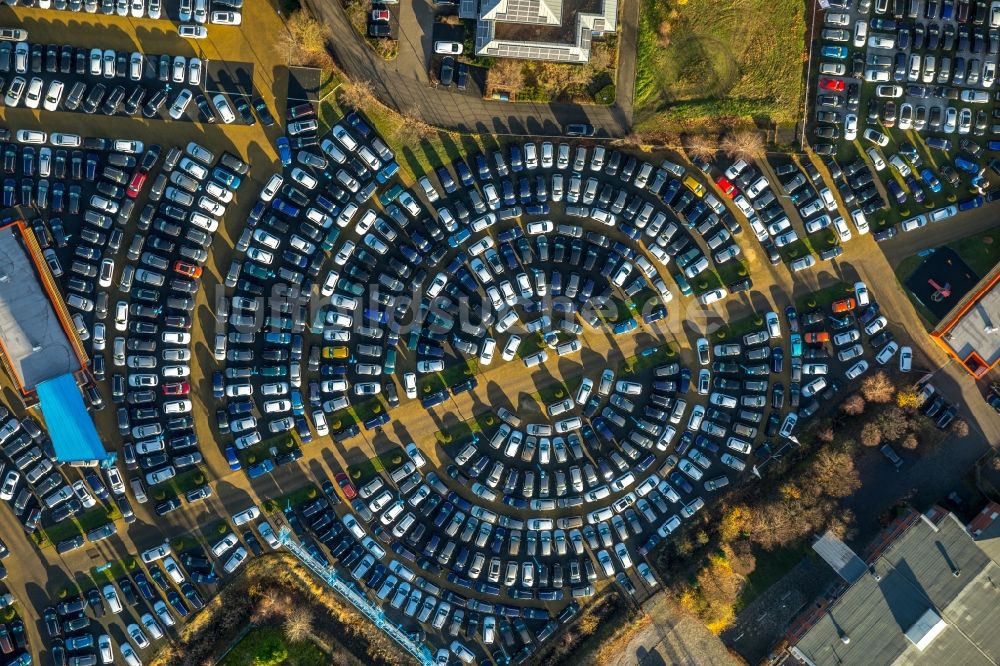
<point>671,637</point>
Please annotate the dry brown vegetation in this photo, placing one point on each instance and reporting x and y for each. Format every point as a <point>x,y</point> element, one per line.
<point>762,517</point>
<point>700,146</point>
<point>276,589</point>
<point>744,145</point>
<point>304,43</point>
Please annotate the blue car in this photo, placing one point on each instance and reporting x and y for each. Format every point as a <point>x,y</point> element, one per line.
<point>387,172</point>
<point>265,466</point>
<point>656,314</point>
<point>435,399</point>
<point>234,462</point>
<point>284,150</point>
<point>969,204</point>
<point>226,177</point>
<point>932,181</point>
<point>629,324</point>
<point>839,52</point>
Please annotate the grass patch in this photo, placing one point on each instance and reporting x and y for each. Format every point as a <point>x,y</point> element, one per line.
<point>648,358</point>
<point>460,372</point>
<point>268,645</point>
<point>417,153</point>
<point>367,410</point>
<point>459,432</point>
<point>980,251</point>
<point>252,454</point>
<point>428,384</point>
<point>82,523</point>
<point>702,61</point>
<point>732,271</point>
<point>588,83</point>
<point>295,498</point>
<point>824,297</point>
<point>771,566</point>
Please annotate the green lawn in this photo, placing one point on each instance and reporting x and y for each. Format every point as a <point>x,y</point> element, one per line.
<point>771,566</point>
<point>702,61</point>
<point>95,517</point>
<point>416,155</point>
<point>980,251</point>
<point>267,646</point>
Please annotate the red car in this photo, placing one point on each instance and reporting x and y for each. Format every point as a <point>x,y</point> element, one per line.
<point>346,486</point>
<point>380,15</point>
<point>177,388</point>
<point>831,84</point>
<point>187,269</point>
<point>138,180</point>
<point>727,188</point>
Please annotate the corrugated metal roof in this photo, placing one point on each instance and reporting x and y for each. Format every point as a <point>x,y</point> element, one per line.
<point>73,434</point>
<point>928,567</point>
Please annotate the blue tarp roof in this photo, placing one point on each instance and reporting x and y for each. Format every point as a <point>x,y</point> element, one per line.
<point>73,434</point>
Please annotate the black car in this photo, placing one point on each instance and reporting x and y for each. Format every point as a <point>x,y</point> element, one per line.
<point>265,116</point>
<point>94,98</point>
<point>885,234</point>
<point>379,29</point>
<point>206,113</point>
<point>155,103</point>
<point>243,108</point>
<point>447,70</point>
<point>579,129</point>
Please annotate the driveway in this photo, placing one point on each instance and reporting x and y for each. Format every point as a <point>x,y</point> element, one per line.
<point>402,83</point>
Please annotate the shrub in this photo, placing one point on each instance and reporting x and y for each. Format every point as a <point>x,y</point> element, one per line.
<point>356,474</point>
<point>222,527</point>
<point>606,95</point>
<point>959,428</point>
<point>397,459</point>
<point>878,388</point>
<point>871,434</point>
<point>312,494</point>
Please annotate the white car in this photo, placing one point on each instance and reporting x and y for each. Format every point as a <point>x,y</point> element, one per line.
<point>905,359</point>
<point>448,48</point>
<point>850,127</point>
<point>886,353</point>
<point>53,96</point>
<point>227,18</point>
<point>180,103</point>
<point>31,136</point>
<point>861,294</point>
<point>271,187</point>
<point>221,105</point>
<point>712,296</point>
<point>857,369</point>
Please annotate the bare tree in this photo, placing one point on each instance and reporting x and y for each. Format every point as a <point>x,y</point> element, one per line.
<point>878,388</point>
<point>299,624</point>
<point>871,434</point>
<point>304,41</point>
<point>700,146</point>
<point>412,129</point>
<point>910,442</point>
<point>744,145</point>
<point>506,75</point>
<point>357,94</point>
<point>853,405</point>
<point>959,428</point>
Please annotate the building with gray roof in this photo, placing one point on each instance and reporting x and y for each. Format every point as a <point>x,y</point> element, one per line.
<point>554,30</point>
<point>930,595</point>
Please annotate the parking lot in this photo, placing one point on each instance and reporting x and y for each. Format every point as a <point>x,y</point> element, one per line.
<point>254,294</point>
<point>899,85</point>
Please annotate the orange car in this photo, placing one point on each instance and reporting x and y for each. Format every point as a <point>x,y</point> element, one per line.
<point>816,338</point>
<point>187,269</point>
<point>844,305</point>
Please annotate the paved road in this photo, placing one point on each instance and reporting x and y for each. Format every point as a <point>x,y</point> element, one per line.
<point>965,224</point>
<point>403,82</point>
